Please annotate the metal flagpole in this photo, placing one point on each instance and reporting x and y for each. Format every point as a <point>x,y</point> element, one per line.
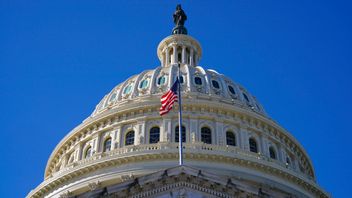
<point>179,117</point>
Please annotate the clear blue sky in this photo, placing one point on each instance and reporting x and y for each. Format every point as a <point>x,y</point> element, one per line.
<point>59,58</point>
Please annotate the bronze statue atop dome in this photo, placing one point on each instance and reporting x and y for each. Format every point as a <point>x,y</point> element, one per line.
<point>179,19</point>
<point>179,16</point>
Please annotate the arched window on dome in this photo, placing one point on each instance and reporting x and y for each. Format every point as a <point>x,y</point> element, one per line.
<point>206,135</point>
<point>183,128</point>
<point>113,97</point>
<point>272,152</point>
<point>129,138</point>
<point>246,97</point>
<point>198,80</point>
<point>161,80</point>
<point>107,145</point>
<point>144,84</point>
<point>232,90</point>
<point>215,84</point>
<point>128,89</point>
<point>88,153</point>
<point>154,135</point>
<point>253,147</point>
<point>257,106</point>
<point>230,138</point>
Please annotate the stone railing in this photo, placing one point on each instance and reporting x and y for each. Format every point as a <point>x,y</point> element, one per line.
<point>198,147</point>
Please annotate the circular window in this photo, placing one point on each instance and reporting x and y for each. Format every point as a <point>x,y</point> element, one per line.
<point>127,89</point>
<point>161,80</point>
<point>232,90</point>
<point>198,80</point>
<point>215,84</point>
<point>144,84</point>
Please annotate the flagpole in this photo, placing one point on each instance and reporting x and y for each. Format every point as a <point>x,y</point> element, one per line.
<point>180,117</point>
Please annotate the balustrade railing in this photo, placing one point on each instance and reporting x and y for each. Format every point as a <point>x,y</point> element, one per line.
<point>198,147</point>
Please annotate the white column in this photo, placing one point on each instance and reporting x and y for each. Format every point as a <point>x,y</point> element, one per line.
<point>140,133</point>
<point>115,138</point>
<point>167,57</point>
<point>165,135</point>
<point>296,163</point>
<point>264,146</point>
<point>78,152</point>
<point>193,130</point>
<point>163,59</point>
<point>218,133</point>
<point>119,138</point>
<point>96,141</point>
<point>174,60</point>
<point>183,54</point>
<point>282,154</point>
<point>244,139</point>
<point>191,57</point>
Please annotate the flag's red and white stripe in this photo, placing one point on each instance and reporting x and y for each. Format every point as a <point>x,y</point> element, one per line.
<point>168,99</point>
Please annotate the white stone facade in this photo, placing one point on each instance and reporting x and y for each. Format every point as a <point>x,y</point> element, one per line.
<point>115,144</point>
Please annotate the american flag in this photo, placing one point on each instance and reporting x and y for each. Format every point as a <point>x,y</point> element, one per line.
<point>169,98</point>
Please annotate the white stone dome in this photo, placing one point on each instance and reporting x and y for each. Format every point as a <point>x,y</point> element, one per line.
<point>198,84</point>
<point>226,130</point>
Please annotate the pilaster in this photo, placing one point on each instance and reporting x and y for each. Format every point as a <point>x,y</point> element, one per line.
<point>167,56</point>
<point>96,140</point>
<point>174,58</point>
<point>78,151</point>
<point>116,137</point>
<point>193,130</point>
<point>165,135</point>
<point>139,136</point>
<point>184,54</point>
<point>191,57</point>
<point>218,133</point>
<point>244,138</point>
<point>264,145</point>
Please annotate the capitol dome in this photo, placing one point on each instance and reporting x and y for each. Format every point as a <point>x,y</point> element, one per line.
<point>232,148</point>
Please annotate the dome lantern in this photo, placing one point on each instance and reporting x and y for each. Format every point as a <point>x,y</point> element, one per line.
<point>179,47</point>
